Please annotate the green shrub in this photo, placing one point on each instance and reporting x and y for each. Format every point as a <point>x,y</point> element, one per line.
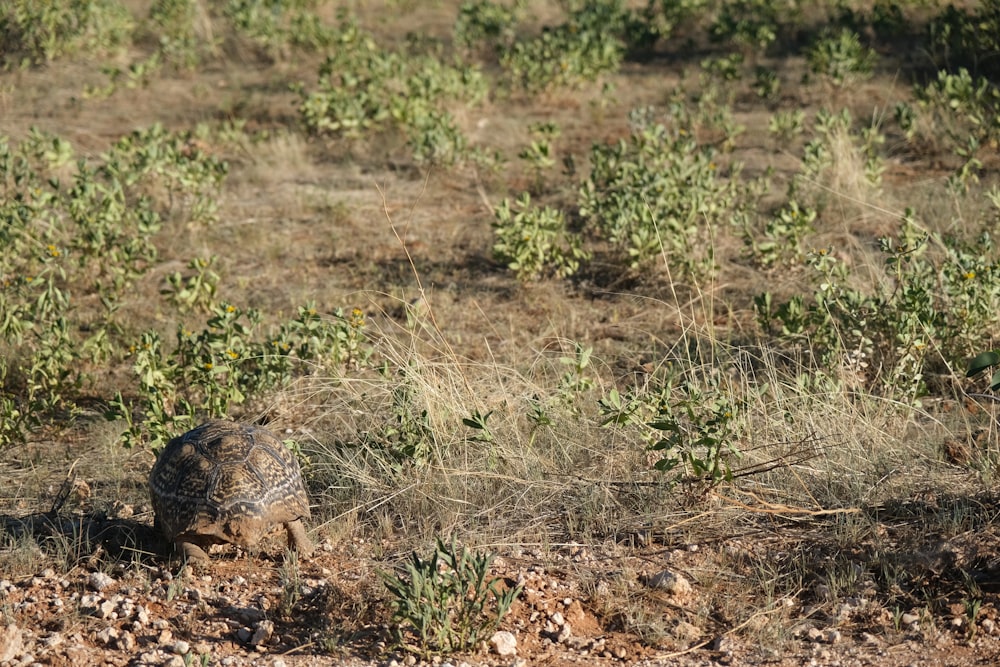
<point>33,32</point>
<point>534,242</point>
<point>966,37</point>
<point>779,243</point>
<point>692,422</point>
<point>659,194</point>
<point>447,602</point>
<point>211,371</point>
<point>276,25</point>
<point>749,24</point>
<point>182,31</point>
<point>931,307</point>
<point>365,89</point>
<point>841,58</point>
<point>486,27</point>
<point>592,41</point>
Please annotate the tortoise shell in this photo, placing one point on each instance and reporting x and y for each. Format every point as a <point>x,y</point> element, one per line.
<point>227,482</point>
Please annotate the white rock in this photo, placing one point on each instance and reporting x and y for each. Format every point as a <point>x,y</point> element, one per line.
<point>669,582</point>
<point>504,643</point>
<point>11,642</point>
<point>108,635</point>
<point>262,633</point>
<point>106,609</point>
<point>98,581</point>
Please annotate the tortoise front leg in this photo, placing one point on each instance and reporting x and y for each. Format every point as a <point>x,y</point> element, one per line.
<point>193,554</point>
<point>297,538</point>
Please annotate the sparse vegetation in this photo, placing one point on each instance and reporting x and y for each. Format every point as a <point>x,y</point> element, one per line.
<point>448,601</point>
<point>698,277</point>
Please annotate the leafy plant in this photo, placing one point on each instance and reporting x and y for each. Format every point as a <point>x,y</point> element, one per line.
<point>841,58</point>
<point>947,298</point>
<point>749,24</point>
<point>785,125</point>
<point>539,154</point>
<point>966,111</point>
<point>780,241</point>
<point>965,37</point>
<point>447,602</point>
<point>364,89</point>
<point>982,362</point>
<point>698,434</point>
<point>276,25</point>
<point>76,231</point>
<point>689,423</point>
<point>213,370</point>
<point>486,26</point>
<point>659,193</point>
<point>534,242</point>
<point>591,42</point>
<point>33,33</point>
<point>196,290</point>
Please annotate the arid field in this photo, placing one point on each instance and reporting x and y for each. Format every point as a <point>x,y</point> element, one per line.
<point>639,330</point>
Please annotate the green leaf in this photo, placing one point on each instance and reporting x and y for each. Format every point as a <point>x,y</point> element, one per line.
<point>981,362</point>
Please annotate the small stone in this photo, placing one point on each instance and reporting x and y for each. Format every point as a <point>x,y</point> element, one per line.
<point>127,642</point>
<point>98,581</point>
<point>814,635</point>
<point>108,636</point>
<point>11,642</point>
<point>106,609</point>
<point>687,631</point>
<point>831,635</point>
<point>263,632</point>
<point>558,619</point>
<point>409,660</point>
<point>909,619</point>
<point>180,647</point>
<point>669,582</point>
<point>988,626</point>
<point>504,643</point>
<point>89,602</point>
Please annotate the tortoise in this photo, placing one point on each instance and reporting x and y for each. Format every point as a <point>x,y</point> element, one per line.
<point>227,482</point>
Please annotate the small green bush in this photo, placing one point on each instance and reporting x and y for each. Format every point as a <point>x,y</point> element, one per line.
<point>34,33</point>
<point>592,41</point>
<point>841,58</point>
<point>447,602</point>
<point>364,89</point>
<point>534,242</point>
<point>659,193</point>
